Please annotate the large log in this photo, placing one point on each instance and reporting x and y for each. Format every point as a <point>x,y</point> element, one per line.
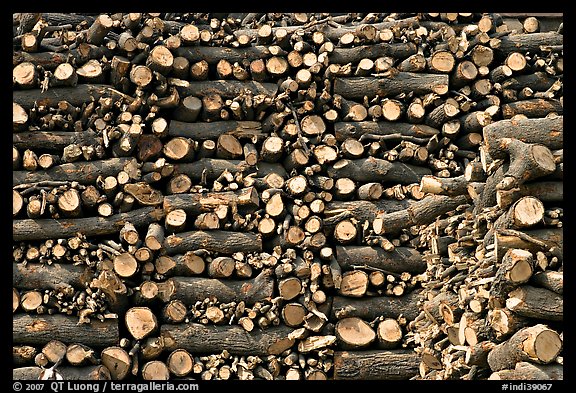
<point>218,241</point>
<point>92,226</point>
<point>84,172</point>
<point>213,54</point>
<point>197,203</point>
<point>538,344</point>
<point>376,365</point>
<point>76,96</point>
<point>203,131</point>
<point>54,141</point>
<point>224,88</point>
<point>344,130</point>
<point>357,53</point>
<point>401,259</point>
<point>355,88</point>
<point>197,338</point>
<point>370,308</point>
<point>62,277</point>
<point>548,131</point>
<point>378,170</point>
<point>68,373</point>
<point>192,289</point>
<point>213,167</point>
<point>421,212</point>
<point>40,329</point>
<point>537,303</point>
<point>528,42</point>
<point>362,210</point>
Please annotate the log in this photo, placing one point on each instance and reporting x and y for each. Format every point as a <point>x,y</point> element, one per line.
<point>545,191</point>
<point>214,167</point>
<point>537,303</point>
<point>197,338</point>
<point>355,88</point>
<point>82,172</point>
<point>529,372</point>
<point>533,240</point>
<point>524,43</point>
<point>117,361</point>
<point>61,277</point>
<point>192,289</point>
<point>224,88</point>
<point>374,51</point>
<point>421,212</point>
<point>370,308</point>
<point>42,229</point>
<point>76,96</point>
<point>70,373</point>
<point>54,140</point>
<point>213,130</point>
<point>538,344</point>
<point>219,241</point>
<point>213,54</point>
<point>140,322</point>
<point>40,329</point>
<point>362,210</point>
<point>354,333</point>
<point>393,130</point>
<point>376,365</point>
<point>547,131</point>
<point>402,259</point>
<point>389,334</point>
<point>377,170</point>
<point>549,279</point>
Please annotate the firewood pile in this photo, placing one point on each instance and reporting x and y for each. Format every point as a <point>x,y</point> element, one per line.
<point>287,196</point>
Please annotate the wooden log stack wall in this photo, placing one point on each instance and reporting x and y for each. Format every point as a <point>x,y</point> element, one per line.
<point>287,196</point>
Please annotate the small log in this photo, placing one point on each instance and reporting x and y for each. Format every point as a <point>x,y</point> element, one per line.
<point>537,344</point>
<point>39,330</point>
<point>376,365</point>
<point>516,268</point>
<point>197,338</point>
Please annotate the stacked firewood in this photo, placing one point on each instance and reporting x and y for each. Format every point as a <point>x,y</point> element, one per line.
<point>287,196</point>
